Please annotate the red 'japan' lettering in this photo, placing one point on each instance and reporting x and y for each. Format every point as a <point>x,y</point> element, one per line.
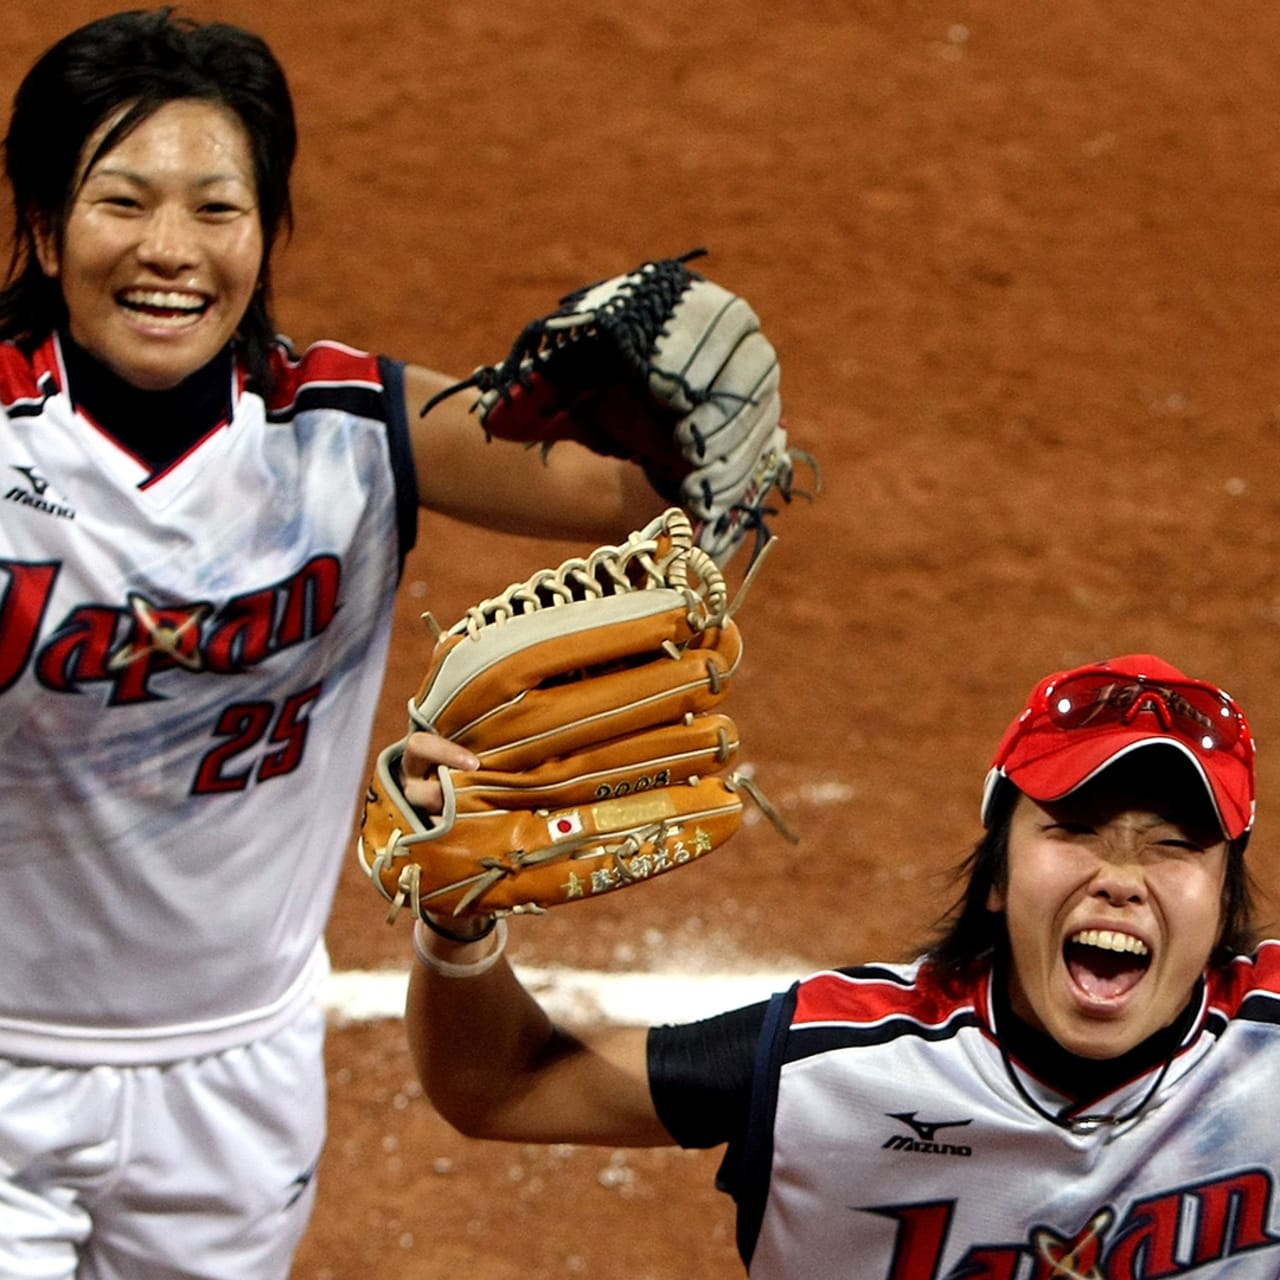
<point>78,651</point>
<point>1232,1216</point>
<point>26,596</point>
<point>310,601</point>
<point>127,647</point>
<point>1079,1256</point>
<point>1176,1233</point>
<point>247,630</point>
<point>242,637</point>
<point>922,1232</point>
<point>990,1264</point>
<point>1147,1242</point>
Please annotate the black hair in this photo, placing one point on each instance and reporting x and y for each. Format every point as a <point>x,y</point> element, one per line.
<point>138,61</point>
<point>970,933</point>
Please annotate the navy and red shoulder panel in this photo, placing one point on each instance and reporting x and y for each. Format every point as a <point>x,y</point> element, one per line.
<point>1248,988</point>
<point>27,381</point>
<point>874,1004</point>
<point>327,375</point>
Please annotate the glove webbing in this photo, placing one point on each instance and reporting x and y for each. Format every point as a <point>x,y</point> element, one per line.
<point>633,321</point>
<point>632,324</point>
<point>611,571</point>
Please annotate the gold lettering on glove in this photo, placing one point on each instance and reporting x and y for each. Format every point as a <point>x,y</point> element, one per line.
<point>607,791</point>
<point>632,811</point>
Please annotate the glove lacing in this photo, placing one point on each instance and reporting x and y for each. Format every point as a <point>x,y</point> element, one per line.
<point>668,559</point>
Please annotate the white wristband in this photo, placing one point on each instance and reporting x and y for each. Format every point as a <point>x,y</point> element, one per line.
<point>422,936</point>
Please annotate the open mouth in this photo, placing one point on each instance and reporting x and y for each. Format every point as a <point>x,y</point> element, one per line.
<point>1106,964</point>
<point>162,306</point>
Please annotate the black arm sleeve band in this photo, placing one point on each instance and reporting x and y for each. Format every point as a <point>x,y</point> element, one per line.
<point>700,1075</point>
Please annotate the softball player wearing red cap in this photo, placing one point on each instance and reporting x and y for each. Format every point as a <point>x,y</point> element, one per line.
<point>1072,1081</point>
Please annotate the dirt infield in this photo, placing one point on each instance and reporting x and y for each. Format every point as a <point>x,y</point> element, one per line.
<point>1022,274</point>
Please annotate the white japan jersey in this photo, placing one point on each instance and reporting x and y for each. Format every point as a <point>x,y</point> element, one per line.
<point>189,665</point>
<point>902,1149</point>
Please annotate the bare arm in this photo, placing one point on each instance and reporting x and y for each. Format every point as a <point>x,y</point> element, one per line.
<point>507,487</point>
<point>495,1066</point>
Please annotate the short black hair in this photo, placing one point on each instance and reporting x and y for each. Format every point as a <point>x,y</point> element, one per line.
<point>132,64</point>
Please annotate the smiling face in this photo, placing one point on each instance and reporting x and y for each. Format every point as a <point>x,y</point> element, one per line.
<point>162,246</point>
<point>1113,902</point>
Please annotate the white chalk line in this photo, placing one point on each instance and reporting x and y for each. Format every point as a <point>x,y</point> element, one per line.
<point>574,995</point>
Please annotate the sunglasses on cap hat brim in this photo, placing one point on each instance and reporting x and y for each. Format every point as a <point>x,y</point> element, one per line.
<point>1078,723</point>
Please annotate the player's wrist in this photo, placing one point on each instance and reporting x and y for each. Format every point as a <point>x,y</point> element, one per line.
<point>460,929</point>
<point>452,956</point>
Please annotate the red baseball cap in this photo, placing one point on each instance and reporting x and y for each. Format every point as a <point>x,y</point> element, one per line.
<point>1078,722</point>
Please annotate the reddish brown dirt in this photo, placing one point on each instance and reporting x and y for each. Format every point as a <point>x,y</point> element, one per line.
<point>1021,270</point>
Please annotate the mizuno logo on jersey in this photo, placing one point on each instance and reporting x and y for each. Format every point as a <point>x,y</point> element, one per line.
<point>926,1130</point>
<point>925,1142</point>
<point>34,493</point>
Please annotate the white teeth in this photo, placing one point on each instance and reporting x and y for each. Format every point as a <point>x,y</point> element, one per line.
<point>162,300</point>
<point>1109,940</point>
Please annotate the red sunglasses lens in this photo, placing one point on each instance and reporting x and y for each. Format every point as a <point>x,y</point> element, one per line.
<point>1198,714</point>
